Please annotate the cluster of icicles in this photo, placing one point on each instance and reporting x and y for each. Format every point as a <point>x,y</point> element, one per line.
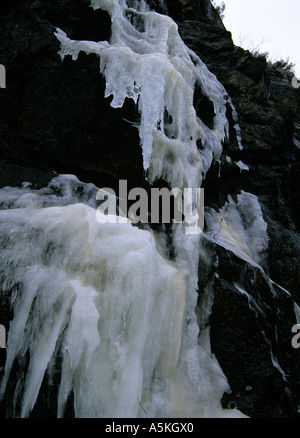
<point>101,301</point>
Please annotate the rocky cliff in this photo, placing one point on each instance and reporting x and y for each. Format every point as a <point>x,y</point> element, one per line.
<point>54,119</point>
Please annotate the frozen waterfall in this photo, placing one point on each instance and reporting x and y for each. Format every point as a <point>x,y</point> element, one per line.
<point>101,300</point>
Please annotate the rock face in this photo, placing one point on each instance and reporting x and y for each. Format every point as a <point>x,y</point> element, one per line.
<point>54,119</point>
<point>268,108</point>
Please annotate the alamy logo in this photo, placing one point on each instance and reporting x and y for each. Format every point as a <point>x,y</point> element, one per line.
<point>164,206</point>
<point>296,338</point>
<point>2,76</point>
<point>2,336</point>
<point>295,82</point>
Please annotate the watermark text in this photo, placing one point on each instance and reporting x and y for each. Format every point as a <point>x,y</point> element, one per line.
<point>295,82</point>
<point>296,338</point>
<point>2,336</point>
<point>161,205</point>
<point>2,76</point>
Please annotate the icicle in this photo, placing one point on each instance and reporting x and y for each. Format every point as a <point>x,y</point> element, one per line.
<point>154,67</point>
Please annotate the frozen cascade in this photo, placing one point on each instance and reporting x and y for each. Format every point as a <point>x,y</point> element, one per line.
<point>129,341</point>
<point>67,273</point>
<point>156,69</point>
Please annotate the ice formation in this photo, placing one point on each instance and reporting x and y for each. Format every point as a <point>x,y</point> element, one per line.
<point>86,292</point>
<point>239,227</point>
<point>101,296</point>
<point>147,61</point>
<point>242,165</point>
<point>82,294</point>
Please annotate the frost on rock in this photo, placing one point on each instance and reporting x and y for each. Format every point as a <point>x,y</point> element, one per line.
<point>241,165</point>
<point>240,227</point>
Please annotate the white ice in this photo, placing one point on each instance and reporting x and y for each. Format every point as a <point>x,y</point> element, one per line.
<point>240,227</point>
<point>242,165</point>
<point>101,295</point>
<point>147,61</point>
<point>87,294</point>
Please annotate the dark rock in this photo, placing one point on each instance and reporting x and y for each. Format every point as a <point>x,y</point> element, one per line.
<point>182,10</point>
<point>53,115</point>
<point>268,109</point>
<point>248,333</point>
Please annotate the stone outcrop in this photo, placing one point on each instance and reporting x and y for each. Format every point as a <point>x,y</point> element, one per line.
<point>268,108</point>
